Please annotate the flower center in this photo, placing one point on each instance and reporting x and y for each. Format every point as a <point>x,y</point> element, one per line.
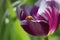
<point>29,18</point>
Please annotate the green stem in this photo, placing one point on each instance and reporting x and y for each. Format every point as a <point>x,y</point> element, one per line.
<point>46,38</point>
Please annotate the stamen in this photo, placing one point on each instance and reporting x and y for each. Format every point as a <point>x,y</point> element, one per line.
<point>29,18</point>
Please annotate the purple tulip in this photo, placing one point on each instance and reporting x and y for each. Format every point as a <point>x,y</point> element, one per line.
<point>41,19</point>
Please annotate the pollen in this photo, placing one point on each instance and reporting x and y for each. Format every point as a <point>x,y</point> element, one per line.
<point>29,18</point>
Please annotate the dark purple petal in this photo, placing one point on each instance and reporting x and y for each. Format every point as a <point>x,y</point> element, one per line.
<point>39,27</point>
<point>34,11</point>
<point>39,17</point>
<point>27,29</point>
<point>36,27</point>
<point>23,11</point>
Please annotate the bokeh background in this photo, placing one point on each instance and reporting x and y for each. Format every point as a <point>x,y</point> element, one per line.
<point>10,28</point>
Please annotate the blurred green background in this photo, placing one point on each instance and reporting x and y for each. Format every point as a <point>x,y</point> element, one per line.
<point>10,28</point>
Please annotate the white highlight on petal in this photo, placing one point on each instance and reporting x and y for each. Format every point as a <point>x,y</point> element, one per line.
<point>58,1</point>
<point>38,3</point>
<point>23,22</point>
<point>39,21</point>
<point>42,6</point>
<point>48,0</point>
<point>48,11</point>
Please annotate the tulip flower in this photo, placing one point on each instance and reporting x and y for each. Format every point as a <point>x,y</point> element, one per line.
<point>41,19</point>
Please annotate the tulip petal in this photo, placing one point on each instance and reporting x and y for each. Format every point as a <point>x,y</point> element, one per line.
<point>52,16</point>
<point>23,11</point>
<point>39,27</point>
<point>36,27</point>
<point>34,11</point>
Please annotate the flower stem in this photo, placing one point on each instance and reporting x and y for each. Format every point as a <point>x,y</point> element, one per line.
<point>46,38</point>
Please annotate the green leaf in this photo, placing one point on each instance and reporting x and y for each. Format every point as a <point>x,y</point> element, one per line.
<point>30,2</point>
<point>2,10</point>
<point>16,31</point>
<point>12,12</point>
